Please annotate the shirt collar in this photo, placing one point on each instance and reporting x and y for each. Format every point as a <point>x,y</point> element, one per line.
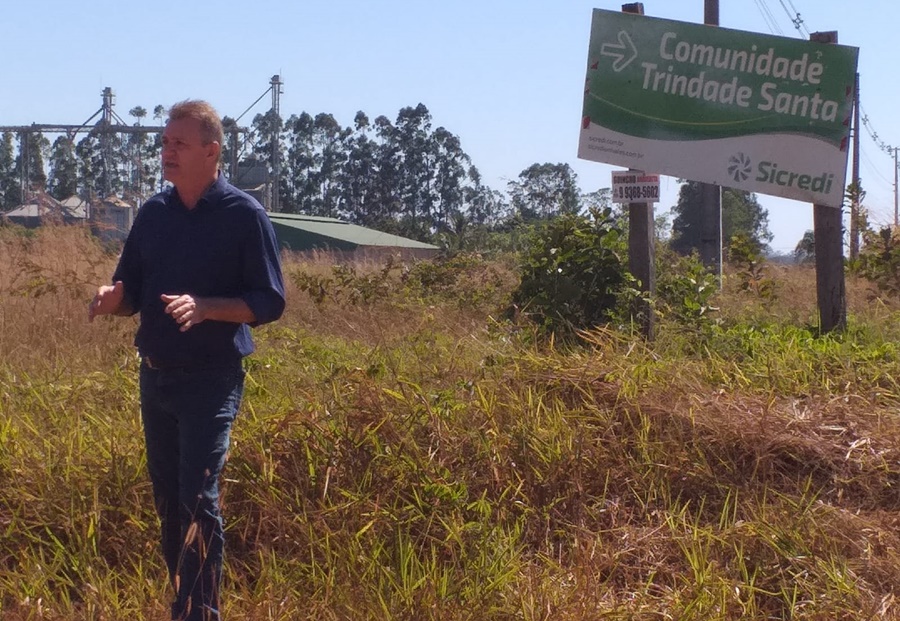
<point>211,196</point>
<point>215,192</point>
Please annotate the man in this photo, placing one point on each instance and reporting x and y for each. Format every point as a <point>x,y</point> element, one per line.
<point>201,265</point>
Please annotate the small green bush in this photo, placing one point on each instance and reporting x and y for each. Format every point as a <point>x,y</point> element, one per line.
<point>347,285</point>
<point>685,290</point>
<point>745,254</point>
<point>573,273</point>
<point>879,261</point>
<point>465,279</point>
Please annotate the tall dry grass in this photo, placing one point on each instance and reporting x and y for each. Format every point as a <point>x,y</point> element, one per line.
<point>413,456</point>
<point>47,277</point>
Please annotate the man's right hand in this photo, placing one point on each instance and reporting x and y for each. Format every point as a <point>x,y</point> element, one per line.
<point>107,301</point>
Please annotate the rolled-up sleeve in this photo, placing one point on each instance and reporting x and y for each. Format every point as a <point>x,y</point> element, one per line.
<point>264,283</point>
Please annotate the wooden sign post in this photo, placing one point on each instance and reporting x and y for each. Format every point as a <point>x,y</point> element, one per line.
<point>829,233</point>
<point>641,238</point>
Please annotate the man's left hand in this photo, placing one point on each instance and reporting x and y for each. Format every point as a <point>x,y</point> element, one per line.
<point>185,309</point>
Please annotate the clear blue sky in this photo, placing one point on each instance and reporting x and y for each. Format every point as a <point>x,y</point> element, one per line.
<point>506,77</point>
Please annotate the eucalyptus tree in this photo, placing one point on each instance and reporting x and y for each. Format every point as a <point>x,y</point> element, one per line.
<point>545,190</point>
<point>10,184</point>
<point>267,148</point>
<point>741,214</point>
<point>63,179</point>
<point>416,157</point>
<point>330,149</point>
<point>110,155</point>
<point>805,250</point>
<point>387,206</point>
<point>90,166</point>
<point>486,206</point>
<point>33,149</point>
<point>359,174</point>
<point>231,147</point>
<point>143,155</point>
<point>297,183</point>
<point>138,112</point>
<point>159,115</point>
<point>450,178</point>
<point>397,176</point>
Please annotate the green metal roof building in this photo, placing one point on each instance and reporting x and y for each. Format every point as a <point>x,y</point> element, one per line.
<point>301,233</point>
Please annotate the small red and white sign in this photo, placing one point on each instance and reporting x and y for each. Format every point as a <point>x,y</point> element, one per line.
<point>634,186</point>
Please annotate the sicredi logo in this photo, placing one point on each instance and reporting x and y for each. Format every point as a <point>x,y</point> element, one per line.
<point>769,172</point>
<point>739,167</point>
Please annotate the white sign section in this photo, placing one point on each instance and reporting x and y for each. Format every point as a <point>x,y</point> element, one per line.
<point>634,186</point>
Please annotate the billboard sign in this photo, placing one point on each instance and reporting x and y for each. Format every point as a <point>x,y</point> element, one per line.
<point>744,110</point>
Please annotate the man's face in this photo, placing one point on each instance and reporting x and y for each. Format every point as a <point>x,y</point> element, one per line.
<point>184,156</point>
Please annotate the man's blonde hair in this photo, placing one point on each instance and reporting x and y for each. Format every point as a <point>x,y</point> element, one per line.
<point>210,123</point>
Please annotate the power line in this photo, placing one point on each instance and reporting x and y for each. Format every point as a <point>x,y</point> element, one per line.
<point>874,169</point>
<point>890,150</point>
<point>873,134</point>
<point>794,9</point>
<point>770,20</point>
<point>772,17</point>
<point>765,16</point>
<point>795,17</point>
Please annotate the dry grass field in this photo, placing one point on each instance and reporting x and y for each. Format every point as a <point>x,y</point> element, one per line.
<point>404,452</point>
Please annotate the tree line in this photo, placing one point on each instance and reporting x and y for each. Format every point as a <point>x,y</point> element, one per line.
<point>400,175</point>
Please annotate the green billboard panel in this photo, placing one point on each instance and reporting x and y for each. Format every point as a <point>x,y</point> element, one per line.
<point>739,109</point>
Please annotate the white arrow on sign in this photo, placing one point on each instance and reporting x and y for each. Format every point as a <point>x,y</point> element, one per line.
<point>624,51</point>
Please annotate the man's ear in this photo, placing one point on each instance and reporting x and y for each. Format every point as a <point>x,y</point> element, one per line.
<point>215,149</point>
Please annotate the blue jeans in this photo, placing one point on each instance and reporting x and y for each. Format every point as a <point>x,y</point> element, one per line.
<point>187,416</point>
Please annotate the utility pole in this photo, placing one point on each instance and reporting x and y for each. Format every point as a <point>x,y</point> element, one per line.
<point>711,195</point>
<point>856,192</point>
<point>896,223</point>
<point>711,12</point>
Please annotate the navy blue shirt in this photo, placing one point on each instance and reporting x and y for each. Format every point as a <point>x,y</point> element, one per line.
<point>223,247</point>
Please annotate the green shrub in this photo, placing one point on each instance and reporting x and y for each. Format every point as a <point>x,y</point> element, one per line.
<point>466,279</point>
<point>573,274</point>
<point>745,254</point>
<point>347,285</point>
<point>685,290</point>
<point>879,261</point>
